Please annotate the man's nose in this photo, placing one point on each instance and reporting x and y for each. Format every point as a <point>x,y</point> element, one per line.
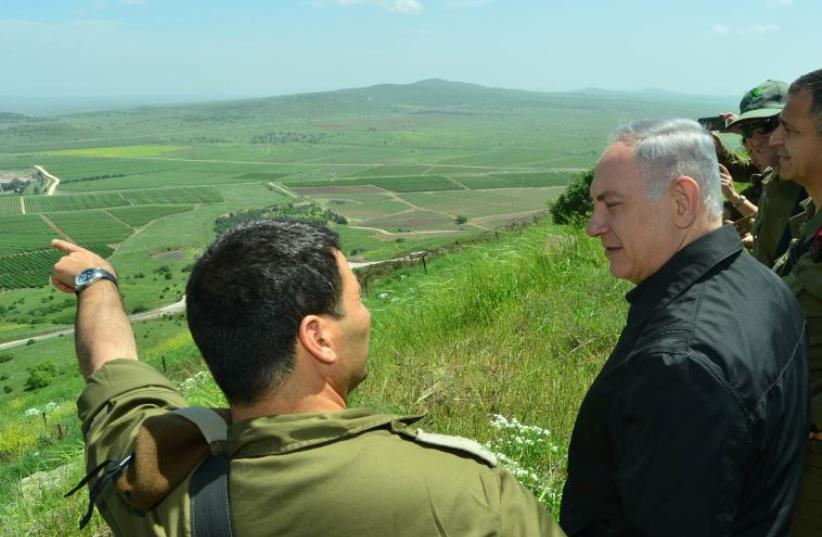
<point>596,224</point>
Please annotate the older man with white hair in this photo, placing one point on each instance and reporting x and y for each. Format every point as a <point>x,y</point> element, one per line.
<point>697,423</point>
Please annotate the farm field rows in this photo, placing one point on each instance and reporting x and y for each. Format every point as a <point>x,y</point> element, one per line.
<point>102,200</point>
<point>413,183</point>
<point>22,233</point>
<point>140,216</point>
<point>91,227</point>
<point>10,205</point>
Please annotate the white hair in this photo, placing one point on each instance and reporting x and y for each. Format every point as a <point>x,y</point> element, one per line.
<point>670,148</point>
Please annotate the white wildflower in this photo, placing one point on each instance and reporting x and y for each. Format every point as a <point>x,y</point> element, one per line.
<point>33,412</point>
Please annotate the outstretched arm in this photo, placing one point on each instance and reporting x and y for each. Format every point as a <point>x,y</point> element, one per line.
<point>102,330</point>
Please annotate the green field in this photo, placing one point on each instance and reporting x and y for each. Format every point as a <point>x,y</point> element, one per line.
<point>28,269</point>
<point>140,216</point>
<point>411,183</point>
<point>23,233</point>
<point>173,196</point>
<point>32,269</point>
<point>10,206</point>
<point>91,227</point>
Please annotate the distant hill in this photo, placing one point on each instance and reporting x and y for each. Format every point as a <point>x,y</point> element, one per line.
<point>431,96</point>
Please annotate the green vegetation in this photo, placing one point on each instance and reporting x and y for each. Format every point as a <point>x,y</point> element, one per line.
<point>522,180</point>
<point>574,206</point>
<point>10,205</point>
<point>307,212</point>
<point>140,216</point>
<point>91,227</point>
<point>173,196</point>
<point>24,233</point>
<point>40,375</point>
<point>29,269</point>
<point>410,183</point>
<point>48,204</point>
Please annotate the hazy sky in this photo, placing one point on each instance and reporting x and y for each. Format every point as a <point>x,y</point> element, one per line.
<point>222,48</point>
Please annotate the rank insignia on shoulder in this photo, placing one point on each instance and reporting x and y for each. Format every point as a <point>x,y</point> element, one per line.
<point>457,443</point>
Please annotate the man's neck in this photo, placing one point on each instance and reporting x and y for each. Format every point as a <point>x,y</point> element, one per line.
<point>326,399</point>
<point>701,227</point>
<point>815,192</point>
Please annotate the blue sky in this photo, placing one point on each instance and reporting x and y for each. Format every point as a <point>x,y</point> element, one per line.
<point>222,49</point>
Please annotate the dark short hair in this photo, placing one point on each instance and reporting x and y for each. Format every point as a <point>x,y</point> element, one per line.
<point>812,83</point>
<point>247,295</point>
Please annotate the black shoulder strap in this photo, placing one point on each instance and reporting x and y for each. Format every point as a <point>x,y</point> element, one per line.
<point>210,507</point>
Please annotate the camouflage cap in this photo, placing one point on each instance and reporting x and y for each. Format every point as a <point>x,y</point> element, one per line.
<point>763,101</point>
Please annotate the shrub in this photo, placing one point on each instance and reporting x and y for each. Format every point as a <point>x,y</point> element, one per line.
<point>5,357</point>
<point>7,389</point>
<point>460,219</point>
<point>40,375</point>
<point>574,205</point>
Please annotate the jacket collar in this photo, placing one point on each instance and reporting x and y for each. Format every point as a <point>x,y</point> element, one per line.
<point>281,434</point>
<point>681,272</point>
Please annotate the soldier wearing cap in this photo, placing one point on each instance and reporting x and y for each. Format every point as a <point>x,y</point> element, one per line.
<point>798,141</point>
<point>779,199</point>
<point>276,312</point>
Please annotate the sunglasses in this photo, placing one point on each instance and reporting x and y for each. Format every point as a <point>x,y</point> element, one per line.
<point>764,126</point>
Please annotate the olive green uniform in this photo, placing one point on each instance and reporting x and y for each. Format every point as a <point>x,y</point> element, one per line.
<point>347,473</point>
<point>803,274</point>
<point>777,205</point>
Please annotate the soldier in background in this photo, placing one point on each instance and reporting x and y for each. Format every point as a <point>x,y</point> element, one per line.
<point>798,141</point>
<point>276,312</point>
<point>770,200</point>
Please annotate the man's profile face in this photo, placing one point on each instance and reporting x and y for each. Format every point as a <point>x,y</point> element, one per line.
<point>797,142</point>
<point>354,326</point>
<point>758,145</point>
<point>637,232</point>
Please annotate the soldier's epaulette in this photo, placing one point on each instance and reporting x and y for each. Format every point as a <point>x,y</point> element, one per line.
<point>457,443</point>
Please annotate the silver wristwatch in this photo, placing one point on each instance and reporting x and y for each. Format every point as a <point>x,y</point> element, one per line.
<point>89,276</point>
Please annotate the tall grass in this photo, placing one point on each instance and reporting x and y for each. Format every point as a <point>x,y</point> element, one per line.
<point>497,342</point>
<point>517,328</point>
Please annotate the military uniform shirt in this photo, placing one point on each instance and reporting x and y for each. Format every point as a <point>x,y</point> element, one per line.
<point>801,269</point>
<point>777,204</point>
<point>351,473</point>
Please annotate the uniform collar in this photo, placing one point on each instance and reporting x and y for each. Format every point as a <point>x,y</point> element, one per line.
<point>281,434</point>
<point>684,269</point>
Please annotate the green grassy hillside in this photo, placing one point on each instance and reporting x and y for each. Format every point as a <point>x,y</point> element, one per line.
<point>497,341</point>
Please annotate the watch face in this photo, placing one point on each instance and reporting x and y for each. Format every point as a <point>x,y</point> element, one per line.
<point>85,277</point>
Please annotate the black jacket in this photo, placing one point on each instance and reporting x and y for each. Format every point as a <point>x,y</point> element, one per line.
<point>697,424</point>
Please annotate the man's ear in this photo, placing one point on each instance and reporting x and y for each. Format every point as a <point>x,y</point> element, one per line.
<point>685,196</point>
<point>316,335</point>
